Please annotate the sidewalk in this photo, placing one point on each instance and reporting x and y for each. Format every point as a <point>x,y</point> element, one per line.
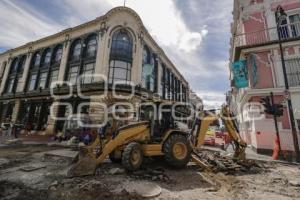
<point>250,154</point>
<point>27,139</point>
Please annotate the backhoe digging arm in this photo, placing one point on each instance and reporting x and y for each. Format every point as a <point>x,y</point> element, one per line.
<point>201,125</point>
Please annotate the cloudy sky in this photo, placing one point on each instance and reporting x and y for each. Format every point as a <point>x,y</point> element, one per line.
<point>194,33</point>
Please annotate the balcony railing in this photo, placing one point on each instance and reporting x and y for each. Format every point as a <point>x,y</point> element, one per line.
<point>286,32</point>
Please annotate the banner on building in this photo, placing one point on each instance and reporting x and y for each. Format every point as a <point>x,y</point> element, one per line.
<point>240,74</point>
<point>254,69</point>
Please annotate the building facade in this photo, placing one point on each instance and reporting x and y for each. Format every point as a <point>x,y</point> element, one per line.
<point>255,42</point>
<point>80,64</point>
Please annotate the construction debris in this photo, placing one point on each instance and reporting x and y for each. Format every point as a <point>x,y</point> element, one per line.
<point>218,163</point>
<point>157,174</point>
<point>32,168</point>
<point>294,183</point>
<point>116,171</point>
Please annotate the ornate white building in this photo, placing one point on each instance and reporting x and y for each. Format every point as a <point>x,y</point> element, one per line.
<point>115,45</point>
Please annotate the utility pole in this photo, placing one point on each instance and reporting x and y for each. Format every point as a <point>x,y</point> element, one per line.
<point>280,14</point>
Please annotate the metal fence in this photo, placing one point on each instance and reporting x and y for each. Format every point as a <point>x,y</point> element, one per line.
<point>287,31</point>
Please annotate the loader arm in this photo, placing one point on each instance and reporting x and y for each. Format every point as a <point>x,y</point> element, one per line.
<point>89,158</point>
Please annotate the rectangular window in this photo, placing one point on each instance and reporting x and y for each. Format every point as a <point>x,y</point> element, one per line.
<point>183,94</point>
<point>73,73</point>
<point>162,81</point>
<point>119,71</point>
<point>293,71</point>
<point>88,70</point>
<point>295,25</point>
<point>298,122</point>
<point>32,82</point>
<point>53,77</point>
<point>167,84</point>
<point>43,80</point>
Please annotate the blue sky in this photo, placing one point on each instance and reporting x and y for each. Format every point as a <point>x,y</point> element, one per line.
<point>195,34</point>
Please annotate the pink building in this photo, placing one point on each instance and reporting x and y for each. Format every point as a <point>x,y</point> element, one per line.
<point>255,40</point>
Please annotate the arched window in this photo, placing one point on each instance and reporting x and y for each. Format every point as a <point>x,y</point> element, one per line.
<point>14,66</point>
<point>120,57</point>
<point>54,69</point>
<point>57,54</point>
<point>148,72</point>
<point>91,48</point>
<point>36,59</point>
<point>21,64</point>
<point>11,80</point>
<point>46,58</point>
<point>76,50</point>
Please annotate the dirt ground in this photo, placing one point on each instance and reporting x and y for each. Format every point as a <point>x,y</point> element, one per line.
<point>26,173</point>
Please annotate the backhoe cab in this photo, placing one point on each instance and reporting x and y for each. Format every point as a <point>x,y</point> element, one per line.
<point>157,136</point>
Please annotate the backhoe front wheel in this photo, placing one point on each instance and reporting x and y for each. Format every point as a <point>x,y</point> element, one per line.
<point>177,151</point>
<point>115,156</point>
<point>132,156</point>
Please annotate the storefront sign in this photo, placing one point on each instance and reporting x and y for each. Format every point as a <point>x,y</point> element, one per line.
<point>254,68</point>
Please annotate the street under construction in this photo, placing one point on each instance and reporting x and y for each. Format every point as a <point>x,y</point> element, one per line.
<point>40,172</point>
<point>184,169</point>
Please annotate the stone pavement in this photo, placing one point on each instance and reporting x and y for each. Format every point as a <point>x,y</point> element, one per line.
<point>250,154</point>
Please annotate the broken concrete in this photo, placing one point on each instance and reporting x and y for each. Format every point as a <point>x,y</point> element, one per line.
<point>294,183</point>
<point>270,181</point>
<point>116,171</point>
<point>143,188</point>
<point>3,161</point>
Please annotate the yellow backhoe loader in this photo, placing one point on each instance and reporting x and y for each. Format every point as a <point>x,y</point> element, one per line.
<point>131,143</point>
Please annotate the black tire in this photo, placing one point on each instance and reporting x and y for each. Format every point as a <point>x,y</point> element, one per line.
<point>115,159</point>
<point>170,156</point>
<point>132,156</point>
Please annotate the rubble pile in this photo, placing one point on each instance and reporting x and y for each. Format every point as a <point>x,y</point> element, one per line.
<point>157,174</point>
<point>226,164</point>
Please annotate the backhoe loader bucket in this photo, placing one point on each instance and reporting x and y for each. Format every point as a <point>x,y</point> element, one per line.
<point>83,165</point>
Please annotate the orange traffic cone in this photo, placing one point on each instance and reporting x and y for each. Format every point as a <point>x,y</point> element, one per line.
<point>276,149</point>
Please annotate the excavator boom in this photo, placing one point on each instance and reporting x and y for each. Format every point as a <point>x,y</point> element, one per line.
<point>202,124</point>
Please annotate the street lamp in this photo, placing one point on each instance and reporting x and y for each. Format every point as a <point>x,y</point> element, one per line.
<point>280,16</point>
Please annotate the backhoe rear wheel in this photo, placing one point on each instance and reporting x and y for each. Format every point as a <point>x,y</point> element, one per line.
<point>177,151</point>
<point>132,156</point>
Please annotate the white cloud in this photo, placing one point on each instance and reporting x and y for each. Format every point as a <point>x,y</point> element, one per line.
<point>212,99</point>
<point>22,24</point>
<point>19,26</point>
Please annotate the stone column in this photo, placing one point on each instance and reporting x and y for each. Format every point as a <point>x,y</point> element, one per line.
<point>104,59</point>
<point>26,71</point>
<point>159,73</point>
<point>16,110</point>
<point>97,112</point>
<point>102,48</point>
<point>136,70</point>
<point>64,61</point>
<point>51,121</point>
<point>5,75</point>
